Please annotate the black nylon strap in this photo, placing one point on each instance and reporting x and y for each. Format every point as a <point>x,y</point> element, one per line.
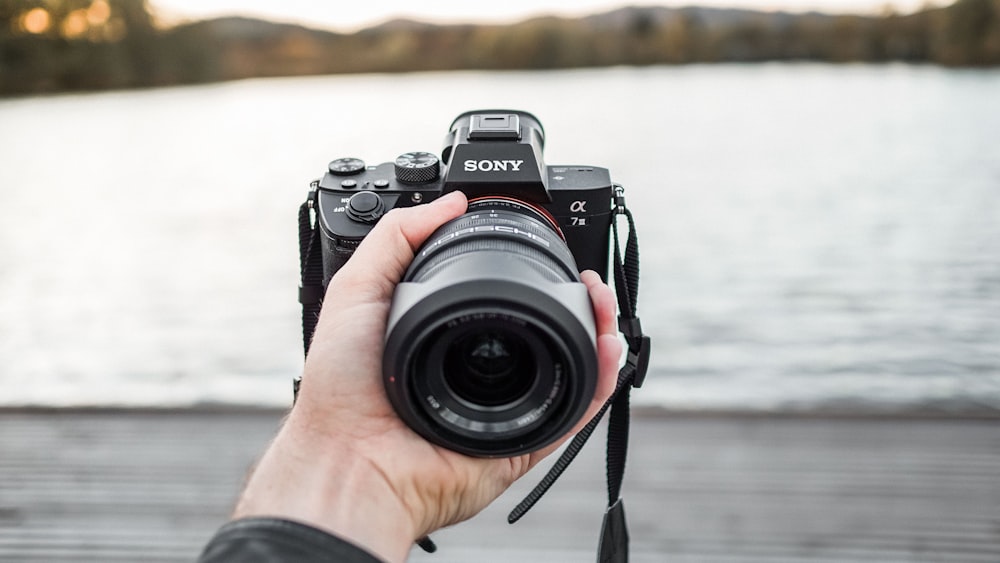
<point>614,535</point>
<point>618,427</point>
<point>625,377</point>
<point>311,270</point>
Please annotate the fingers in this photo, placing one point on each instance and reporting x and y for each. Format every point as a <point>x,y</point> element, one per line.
<point>603,299</point>
<point>608,346</point>
<point>382,258</point>
<point>609,352</point>
<point>358,297</point>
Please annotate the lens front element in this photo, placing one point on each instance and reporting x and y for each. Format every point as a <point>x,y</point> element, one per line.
<point>489,368</point>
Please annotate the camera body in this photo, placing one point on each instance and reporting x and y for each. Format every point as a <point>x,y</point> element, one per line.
<point>487,154</point>
<point>490,346</point>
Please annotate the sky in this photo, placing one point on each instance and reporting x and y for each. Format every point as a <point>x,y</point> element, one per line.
<point>344,16</point>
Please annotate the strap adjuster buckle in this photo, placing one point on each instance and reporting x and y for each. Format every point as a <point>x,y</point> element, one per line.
<point>639,360</point>
<point>631,327</point>
<point>310,294</point>
<point>638,347</point>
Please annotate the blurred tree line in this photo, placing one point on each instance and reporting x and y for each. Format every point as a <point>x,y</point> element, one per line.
<point>59,45</point>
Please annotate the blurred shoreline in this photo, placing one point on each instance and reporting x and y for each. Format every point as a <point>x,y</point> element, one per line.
<point>116,44</point>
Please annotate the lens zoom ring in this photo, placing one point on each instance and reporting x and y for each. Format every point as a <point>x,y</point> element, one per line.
<point>537,260</point>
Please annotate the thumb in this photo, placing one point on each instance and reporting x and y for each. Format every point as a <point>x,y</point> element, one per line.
<point>383,256</point>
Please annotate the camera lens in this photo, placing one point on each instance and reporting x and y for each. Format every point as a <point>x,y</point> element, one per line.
<point>489,368</point>
<point>490,347</point>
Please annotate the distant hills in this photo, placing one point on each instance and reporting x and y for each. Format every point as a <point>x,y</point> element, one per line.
<point>121,47</point>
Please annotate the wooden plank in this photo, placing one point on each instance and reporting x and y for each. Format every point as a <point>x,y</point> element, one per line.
<point>154,485</point>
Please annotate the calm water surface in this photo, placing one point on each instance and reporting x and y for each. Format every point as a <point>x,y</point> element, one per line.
<point>812,236</point>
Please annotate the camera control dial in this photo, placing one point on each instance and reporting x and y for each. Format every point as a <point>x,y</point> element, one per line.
<point>366,207</point>
<point>417,167</point>
<point>346,166</point>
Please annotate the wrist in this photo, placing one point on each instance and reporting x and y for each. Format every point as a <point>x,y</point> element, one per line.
<point>323,482</point>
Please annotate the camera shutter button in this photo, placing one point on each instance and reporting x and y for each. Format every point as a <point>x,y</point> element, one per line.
<point>365,207</point>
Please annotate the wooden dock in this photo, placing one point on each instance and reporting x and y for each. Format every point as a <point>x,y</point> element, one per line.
<point>154,485</point>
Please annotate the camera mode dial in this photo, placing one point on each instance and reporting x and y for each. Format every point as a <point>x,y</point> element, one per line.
<point>417,167</point>
<point>366,207</point>
<point>346,166</point>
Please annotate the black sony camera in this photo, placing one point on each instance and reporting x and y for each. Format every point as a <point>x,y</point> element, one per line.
<point>490,346</point>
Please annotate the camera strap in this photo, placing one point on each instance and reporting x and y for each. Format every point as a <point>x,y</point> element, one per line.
<point>613,546</point>
<point>311,268</point>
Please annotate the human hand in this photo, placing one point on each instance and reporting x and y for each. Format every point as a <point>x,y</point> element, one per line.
<point>344,461</point>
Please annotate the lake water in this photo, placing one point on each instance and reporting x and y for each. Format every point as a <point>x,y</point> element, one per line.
<point>812,236</point>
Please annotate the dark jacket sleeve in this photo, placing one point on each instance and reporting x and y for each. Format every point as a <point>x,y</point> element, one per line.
<point>259,540</point>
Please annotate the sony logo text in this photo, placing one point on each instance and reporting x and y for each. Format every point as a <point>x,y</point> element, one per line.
<point>493,165</point>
